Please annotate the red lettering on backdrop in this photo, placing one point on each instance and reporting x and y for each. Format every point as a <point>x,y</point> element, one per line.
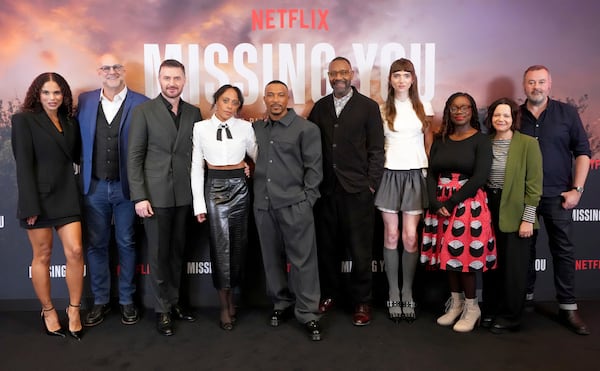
<point>323,24</point>
<point>289,18</point>
<point>582,265</point>
<point>269,18</point>
<point>143,269</point>
<point>594,164</point>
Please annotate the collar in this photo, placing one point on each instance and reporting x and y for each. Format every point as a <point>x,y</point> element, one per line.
<point>346,97</point>
<point>168,104</point>
<point>117,98</point>
<point>285,120</point>
<point>216,120</point>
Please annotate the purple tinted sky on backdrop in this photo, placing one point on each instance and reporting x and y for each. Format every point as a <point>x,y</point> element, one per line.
<point>481,46</point>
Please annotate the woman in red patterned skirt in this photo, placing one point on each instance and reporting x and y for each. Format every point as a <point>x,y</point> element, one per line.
<point>458,235</point>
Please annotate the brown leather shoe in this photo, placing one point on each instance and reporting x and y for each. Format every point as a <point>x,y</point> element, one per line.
<point>362,315</point>
<point>326,305</point>
<point>572,320</point>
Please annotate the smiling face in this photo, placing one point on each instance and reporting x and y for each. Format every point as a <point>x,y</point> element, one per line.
<point>227,105</point>
<point>172,81</point>
<point>276,100</point>
<point>537,84</point>
<point>112,73</point>
<point>340,77</point>
<point>51,97</point>
<point>461,111</point>
<point>502,119</point>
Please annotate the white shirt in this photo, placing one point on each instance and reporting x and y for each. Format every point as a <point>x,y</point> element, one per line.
<point>405,147</point>
<point>111,108</point>
<point>219,153</point>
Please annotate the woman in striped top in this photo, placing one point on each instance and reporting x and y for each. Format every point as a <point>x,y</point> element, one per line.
<point>514,189</point>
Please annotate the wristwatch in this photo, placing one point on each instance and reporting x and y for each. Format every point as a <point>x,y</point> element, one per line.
<point>578,189</point>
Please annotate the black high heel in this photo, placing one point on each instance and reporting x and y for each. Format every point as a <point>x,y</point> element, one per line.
<point>60,332</point>
<point>77,335</point>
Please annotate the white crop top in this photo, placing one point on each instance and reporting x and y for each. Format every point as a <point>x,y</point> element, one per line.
<point>219,153</point>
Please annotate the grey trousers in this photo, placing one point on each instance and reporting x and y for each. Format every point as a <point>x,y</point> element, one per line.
<point>287,235</point>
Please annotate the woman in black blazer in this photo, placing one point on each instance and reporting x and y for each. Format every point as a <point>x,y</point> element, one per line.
<point>46,144</point>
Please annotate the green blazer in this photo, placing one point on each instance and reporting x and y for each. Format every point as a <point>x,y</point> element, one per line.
<point>522,181</point>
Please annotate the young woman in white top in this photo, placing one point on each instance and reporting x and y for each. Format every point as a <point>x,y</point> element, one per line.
<point>408,137</point>
<point>221,144</point>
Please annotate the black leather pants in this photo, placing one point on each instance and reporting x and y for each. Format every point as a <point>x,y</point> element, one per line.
<point>227,203</point>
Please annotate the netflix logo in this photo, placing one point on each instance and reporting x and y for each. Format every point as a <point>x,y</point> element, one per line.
<point>587,264</point>
<point>271,19</point>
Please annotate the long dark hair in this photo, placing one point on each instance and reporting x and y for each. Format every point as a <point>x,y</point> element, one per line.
<point>404,64</point>
<point>447,124</point>
<point>32,101</point>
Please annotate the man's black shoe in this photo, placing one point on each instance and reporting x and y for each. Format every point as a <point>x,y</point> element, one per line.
<point>164,324</point>
<point>314,330</point>
<point>179,313</point>
<point>280,315</point>
<point>96,315</point>
<point>129,314</point>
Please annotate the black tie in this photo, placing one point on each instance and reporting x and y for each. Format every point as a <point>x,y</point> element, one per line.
<point>221,127</point>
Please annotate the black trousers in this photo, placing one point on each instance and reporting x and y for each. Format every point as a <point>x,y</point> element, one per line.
<point>557,222</point>
<point>504,288</point>
<point>166,235</point>
<point>344,222</point>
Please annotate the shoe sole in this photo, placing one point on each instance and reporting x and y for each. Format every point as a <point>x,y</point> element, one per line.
<point>100,320</point>
<point>361,323</point>
<point>129,322</point>
<point>92,324</point>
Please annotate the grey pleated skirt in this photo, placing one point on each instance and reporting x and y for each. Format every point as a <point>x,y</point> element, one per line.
<point>402,191</point>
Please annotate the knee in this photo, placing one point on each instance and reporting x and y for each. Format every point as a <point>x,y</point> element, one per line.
<point>43,257</point>
<point>409,240</point>
<point>391,236</point>
<point>74,253</point>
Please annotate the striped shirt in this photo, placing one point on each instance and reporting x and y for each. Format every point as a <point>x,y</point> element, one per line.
<point>496,179</point>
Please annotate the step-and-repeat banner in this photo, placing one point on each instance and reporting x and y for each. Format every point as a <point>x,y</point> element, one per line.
<point>456,45</point>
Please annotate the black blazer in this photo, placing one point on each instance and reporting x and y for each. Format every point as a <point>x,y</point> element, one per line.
<point>160,156</point>
<point>46,178</point>
<point>352,143</point>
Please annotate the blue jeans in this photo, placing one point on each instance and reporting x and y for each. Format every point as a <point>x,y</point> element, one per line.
<point>104,202</point>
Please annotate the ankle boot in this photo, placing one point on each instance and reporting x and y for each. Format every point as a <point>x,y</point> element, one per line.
<point>470,315</point>
<point>454,307</point>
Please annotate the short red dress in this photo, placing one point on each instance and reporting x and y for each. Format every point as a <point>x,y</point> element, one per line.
<point>463,242</point>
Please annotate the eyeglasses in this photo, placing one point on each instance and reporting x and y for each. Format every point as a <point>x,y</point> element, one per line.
<point>116,68</point>
<point>342,73</point>
<point>461,109</point>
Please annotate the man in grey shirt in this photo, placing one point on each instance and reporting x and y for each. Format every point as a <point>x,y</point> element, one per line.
<point>286,186</point>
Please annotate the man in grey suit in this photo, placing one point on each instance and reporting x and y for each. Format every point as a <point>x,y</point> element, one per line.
<point>160,150</point>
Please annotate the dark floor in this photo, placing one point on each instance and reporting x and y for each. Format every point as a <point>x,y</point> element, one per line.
<point>253,345</point>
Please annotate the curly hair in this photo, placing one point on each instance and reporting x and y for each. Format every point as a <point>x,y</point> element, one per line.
<point>447,124</point>
<point>32,101</point>
<point>404,64</point>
